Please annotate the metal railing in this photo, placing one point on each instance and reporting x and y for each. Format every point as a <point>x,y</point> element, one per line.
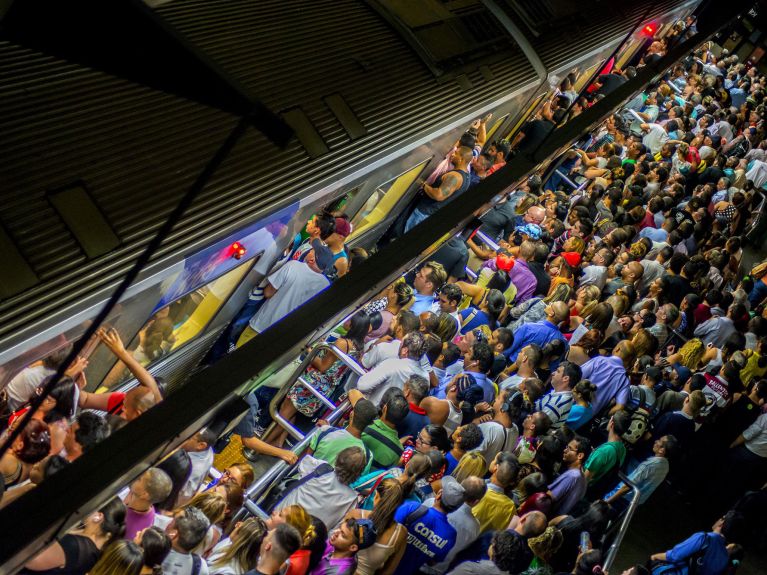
<point>297,377</point>
<point>255,493</point>
<point>612,552</point>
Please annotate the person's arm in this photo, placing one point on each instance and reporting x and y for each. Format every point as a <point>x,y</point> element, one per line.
<point>618,494</point>
<point>482,131</point>
<point>740,440</point>
<point>342,266</point>
<point>399,550</point>
<point>50,558</point>
<point>371,380</point>
<point>112,340</point>
<point>586,160</point>
<point>263,448</point>
<point>323,363</point>
<point>481,252</point>
<point>658,557</point>
<point>472,290</point>
<point>450,183</point>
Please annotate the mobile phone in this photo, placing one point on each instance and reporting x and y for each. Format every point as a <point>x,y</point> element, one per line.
<point>585,541</point>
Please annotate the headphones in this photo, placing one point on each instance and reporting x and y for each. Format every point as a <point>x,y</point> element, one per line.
<point>506,405</point>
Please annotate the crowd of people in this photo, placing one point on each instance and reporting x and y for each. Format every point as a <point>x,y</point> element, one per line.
<point>602,327</point>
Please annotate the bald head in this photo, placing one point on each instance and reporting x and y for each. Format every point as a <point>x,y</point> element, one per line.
<point>535,215</point>
<point>474,489</point>
<point>632,272</point>
<point>559,312</point>
<point>534,524</point>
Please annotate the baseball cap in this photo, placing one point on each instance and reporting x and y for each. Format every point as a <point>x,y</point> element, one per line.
<point>504,262</point>
<point>322,254</point>
<point>682,372</point>
<point>464,382</point>
<point>532,230</point>
<point>365,533</point>
<point>453,494</point>
<point>343,227</point>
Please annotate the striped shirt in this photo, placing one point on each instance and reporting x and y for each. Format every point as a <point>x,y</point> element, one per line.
<point>556,405</point>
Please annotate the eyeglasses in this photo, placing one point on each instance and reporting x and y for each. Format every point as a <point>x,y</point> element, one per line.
<point>423,441</point>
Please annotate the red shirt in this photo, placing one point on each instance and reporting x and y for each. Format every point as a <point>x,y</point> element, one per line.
<point>299,562</point>
<point>648,221</point>
<point>115,403</point>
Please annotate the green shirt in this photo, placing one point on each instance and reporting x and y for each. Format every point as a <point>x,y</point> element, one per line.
<point>330,441</point>
<point>384,453</point>
<point>604,458</point>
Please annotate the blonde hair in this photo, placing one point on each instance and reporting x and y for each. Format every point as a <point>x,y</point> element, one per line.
<point>644,342</point>
<point>576,244</point>
<point>244,548</point>
<point>299,518</point>
<point>619,303</point>
<point>211,503</point>
<point>472,463</point>
<point>122,557</point>
<point>691,353</point>
<point>590,294</point>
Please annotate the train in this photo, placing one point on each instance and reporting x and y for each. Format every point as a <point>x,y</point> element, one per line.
<point>375,92</point>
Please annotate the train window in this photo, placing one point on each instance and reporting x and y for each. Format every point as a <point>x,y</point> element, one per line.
<point>494,128</point>
<point>342,203</point>
<point>526,116</point>
<point>179,322</point>
<point>384,198</point>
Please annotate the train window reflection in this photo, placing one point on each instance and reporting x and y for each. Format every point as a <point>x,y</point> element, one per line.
<point>384,198</point>
<point>181,321</point>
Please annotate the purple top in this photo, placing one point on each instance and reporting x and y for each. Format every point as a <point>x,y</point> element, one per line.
<point>331,566</point>
<point>524,280</point>
<point>135,521</point>
<point>567,490</point>
<point>609,376</point>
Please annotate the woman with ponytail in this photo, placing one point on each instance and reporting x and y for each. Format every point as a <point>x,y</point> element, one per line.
<point>156,546</point>
<point>299,518</point>
<point>387,497</point>
<point>418,466</point>
<point>120,558</point>
<point>239,553</point>
<point>79,550</point>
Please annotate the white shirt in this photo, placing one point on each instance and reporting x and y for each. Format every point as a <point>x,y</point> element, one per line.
<point>181,564</point>
<point>231,568</point>
<point>392,372</point>
<point>758,173</point>
<point>22,387</point>
<point>594,275</point>
<point>295,283</point>
<point>756,436</point>
<point>388,350</point>
<point>324,496</point>
<point>202,461</point>
<point>496,438</point>
<point>655,137</point>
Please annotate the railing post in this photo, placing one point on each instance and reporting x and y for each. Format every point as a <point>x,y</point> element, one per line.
<point>612,552</point>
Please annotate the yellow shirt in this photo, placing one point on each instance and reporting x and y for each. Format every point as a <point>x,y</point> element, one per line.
<point>752,369</point>
<point>494,511</point>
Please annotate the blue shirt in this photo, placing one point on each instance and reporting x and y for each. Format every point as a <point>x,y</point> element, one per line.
<point>481,380</point>
<point>655,234</point>
<point>609,376</point>
<point>579,416</point>
<point>715,560</point>
<point>478,318</point>
<point>422,303</point>
<point>539,332</point>
<point>452,463</point>
<point>429,538</point>
<point>647,476</point>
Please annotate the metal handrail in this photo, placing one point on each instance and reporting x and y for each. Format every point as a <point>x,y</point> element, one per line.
<point>280,469</point>
<point>487,240</point>
<point>612,552</point>
<point>274,406</point>
<point>567,180</point>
